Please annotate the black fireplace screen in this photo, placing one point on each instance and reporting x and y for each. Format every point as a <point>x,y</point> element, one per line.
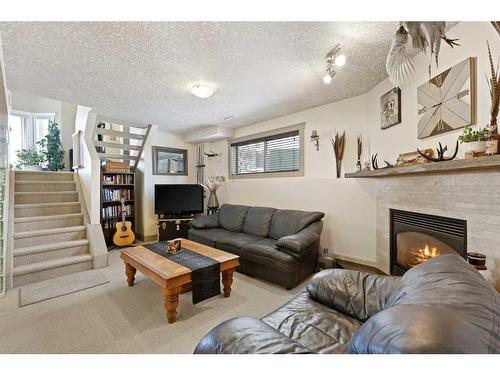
<point>417,237</point>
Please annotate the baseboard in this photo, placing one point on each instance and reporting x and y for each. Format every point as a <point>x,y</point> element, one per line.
<point>353,259</point>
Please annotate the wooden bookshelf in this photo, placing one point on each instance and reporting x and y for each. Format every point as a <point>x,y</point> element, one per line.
<point>113,185</point>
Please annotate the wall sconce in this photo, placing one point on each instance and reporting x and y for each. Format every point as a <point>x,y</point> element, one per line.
<point>315,139</point>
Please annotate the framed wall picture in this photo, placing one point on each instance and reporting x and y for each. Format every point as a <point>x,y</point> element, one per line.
<point>448,101</point>
<point>169,161</point>
<point>390,108</point>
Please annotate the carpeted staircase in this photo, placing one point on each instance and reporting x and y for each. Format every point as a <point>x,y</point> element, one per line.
<point>50,236</point>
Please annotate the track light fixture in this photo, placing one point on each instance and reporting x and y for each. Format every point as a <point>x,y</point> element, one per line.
<point>333,59</point>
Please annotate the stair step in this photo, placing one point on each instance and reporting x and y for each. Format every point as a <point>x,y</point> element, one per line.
<point>115,133</point>
<point>45,209</point>
<point>45,197</point>
<point>44,186</point>
<point>43,176</point>
<point>117,145</point>
<point>23,224</point>
<point>116,157</point>
<point>41,253</point>
<point>50,269</point>
<point>47,236</point>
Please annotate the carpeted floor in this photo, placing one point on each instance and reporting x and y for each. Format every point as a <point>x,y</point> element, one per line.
<point>114,318</point>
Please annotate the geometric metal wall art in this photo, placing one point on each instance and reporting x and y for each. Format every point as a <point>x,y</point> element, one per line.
<point>448,101</point>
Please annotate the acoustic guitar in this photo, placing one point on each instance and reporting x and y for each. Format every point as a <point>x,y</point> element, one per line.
<point>123,235</point>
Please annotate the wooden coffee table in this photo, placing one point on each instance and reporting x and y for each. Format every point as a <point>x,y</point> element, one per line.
<point>174,278</point>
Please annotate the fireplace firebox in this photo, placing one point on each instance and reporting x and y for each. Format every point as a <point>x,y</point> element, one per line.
<point>416,237</point>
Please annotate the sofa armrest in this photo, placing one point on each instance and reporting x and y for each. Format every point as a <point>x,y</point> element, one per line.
<point>205,221</point>
<point>247,336</point>
<point>297,244</point>
<point>358,294</point>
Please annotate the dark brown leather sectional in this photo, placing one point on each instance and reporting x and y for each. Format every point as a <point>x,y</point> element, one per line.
<point>440,306</point>
<point>280,246</point>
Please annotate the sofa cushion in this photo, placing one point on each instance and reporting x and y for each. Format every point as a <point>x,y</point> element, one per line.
<point>233,242</point>
<point>206,236</point>
<point>258,221</point>
<point>205,221</point>
<point>313,325</point>
<point>286,222</point>
<point>231,216</point>
<point>442,305</point>
<point>359,294</point>
<point>265,252</point>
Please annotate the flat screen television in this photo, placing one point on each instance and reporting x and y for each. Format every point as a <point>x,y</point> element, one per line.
<point>176,199</point>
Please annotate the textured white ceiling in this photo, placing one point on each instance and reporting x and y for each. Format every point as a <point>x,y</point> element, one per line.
<point>140,72</point>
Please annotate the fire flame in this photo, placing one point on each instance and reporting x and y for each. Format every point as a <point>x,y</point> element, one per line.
<point>423,254</point>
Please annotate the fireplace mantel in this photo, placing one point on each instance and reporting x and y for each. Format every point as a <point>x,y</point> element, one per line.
<point>462,165</point>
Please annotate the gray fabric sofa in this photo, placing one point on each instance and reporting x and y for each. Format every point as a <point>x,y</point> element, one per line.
<point>440,306</point>
<point>280,246</point>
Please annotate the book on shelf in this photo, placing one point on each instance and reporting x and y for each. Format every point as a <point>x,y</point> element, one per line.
<point>113,195</point>
<point>119,179</point>
<point>114,212</point>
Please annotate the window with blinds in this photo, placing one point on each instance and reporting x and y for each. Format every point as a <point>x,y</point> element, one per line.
<point>269,154</point>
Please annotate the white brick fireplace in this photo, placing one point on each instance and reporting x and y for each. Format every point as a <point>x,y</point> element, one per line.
<point>472,195</point>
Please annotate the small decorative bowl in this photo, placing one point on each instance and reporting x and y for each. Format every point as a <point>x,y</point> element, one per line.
<point>173,246</point>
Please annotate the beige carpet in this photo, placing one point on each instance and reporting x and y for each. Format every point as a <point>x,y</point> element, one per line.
<point>60,286</point>
<point>113,318</point>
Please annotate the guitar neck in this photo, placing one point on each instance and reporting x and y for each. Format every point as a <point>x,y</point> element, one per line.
<point>124,214</point>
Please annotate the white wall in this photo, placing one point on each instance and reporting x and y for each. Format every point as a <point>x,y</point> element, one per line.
<point>146,225</point>
<point>403,137</point>
<point>349,204</point>
<point>65,115</point>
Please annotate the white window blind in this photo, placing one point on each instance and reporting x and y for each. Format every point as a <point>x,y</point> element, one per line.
<point>270,154</point>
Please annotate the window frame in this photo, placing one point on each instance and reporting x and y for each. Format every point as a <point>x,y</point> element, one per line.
<point>275,133</point>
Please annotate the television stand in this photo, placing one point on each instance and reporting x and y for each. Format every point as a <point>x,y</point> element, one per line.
<point>170,227</point>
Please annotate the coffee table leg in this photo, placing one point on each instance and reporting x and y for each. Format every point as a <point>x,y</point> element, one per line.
<point>171,296</point>
<point>130,272</point>
<point>227,281</point>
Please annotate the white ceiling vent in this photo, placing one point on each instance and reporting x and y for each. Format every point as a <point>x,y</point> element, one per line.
<point>209,134</point>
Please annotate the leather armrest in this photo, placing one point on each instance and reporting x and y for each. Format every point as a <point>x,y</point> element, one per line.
<point>358,294</point>
<point>247,336</point>
<point>205,222</point>
<point>296,244</point>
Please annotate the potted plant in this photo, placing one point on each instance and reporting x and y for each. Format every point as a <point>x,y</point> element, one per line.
<point>474,140</point>
<point>52,148</point>
<point>29,160</point>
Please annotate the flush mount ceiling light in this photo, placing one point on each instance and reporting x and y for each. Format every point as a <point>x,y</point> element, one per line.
<point>333,59</point>
<point>202,91</point>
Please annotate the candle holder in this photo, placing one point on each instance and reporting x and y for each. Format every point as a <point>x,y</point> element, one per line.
<point>315,139</point>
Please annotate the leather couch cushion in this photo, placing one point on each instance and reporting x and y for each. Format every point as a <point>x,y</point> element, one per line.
<point>231,216</point>
<point>314,326</point>
<point>258,221</point>
<point>206,236</point>
<point>233,242</point>
<point>440,306</point>
<point>286,222</point>
<point>358,294</point>
<point>265,252</point>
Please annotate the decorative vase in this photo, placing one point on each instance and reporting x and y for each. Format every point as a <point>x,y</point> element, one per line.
<point>213,202</point>
<point>339,167</point>
<point>492,147</point>
<point>358,166</point>
<point>475,147</point>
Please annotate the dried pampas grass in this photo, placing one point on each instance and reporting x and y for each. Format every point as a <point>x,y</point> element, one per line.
<point>338,144</point>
